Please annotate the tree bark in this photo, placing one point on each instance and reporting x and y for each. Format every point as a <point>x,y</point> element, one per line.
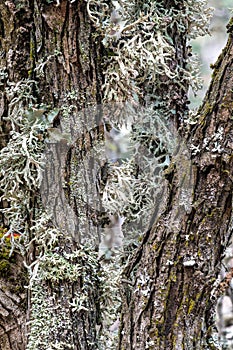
<point>13,301</point>
<point>51,67</point>
<point>168,284</point>
<point>53,50</point>
<point>15,63</point>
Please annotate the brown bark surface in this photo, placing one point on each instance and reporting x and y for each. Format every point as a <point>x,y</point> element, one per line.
<point>179,258</point>
<point>168,283</point>
<point>13,301</point>
<point>15,63</point>
<point>60,38</point>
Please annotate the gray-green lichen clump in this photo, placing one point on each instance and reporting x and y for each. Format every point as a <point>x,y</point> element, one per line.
<point>21,160</point>
<point>60,308</point>
<point>145,62</point>
<point>142,55</point>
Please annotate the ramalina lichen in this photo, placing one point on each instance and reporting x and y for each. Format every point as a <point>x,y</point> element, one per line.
<point>145,62</point>
<point>142,63</point>
<point>60,308</point>
<point>21,161</point>
<point>140,45</point>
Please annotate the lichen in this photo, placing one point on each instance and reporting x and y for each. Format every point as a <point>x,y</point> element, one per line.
<point>139,46</point>
<point>80,267</point>
<point>139,64</point>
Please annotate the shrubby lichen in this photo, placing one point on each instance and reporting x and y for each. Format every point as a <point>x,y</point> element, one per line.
<point>140,44</point>
<point>146,62</point>
<point>59,309</point>
<point>142,63</point>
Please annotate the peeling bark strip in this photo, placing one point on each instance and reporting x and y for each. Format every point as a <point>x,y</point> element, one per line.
<point>175,268</point>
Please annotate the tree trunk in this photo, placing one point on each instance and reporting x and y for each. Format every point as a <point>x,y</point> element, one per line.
<point>53,51</point>
<point>168,284</point>
<point>58,59</point>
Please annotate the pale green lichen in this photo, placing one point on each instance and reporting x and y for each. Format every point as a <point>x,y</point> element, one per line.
<point>139,47</point>
<point>138,59</point>
<point>22,159</point>
<point>79,268</point>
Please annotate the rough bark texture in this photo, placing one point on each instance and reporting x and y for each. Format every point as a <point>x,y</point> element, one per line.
<point>63,35</point>
<point>169,281</point>
<point>13,305</point>
<point>15,62</point>
<point>59,41</point>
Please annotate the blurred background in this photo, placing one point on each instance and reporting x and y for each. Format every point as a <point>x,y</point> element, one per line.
<point>209,47</point>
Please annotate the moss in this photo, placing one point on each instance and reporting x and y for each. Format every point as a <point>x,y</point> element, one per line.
<point>4,267</point>
<point>207,110</point>
<point>193,302</point>
<point>5,252</point>
<point>32,57</point>
<point>212,213</point>
<point>191,306</point>
<point>155,246</point>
